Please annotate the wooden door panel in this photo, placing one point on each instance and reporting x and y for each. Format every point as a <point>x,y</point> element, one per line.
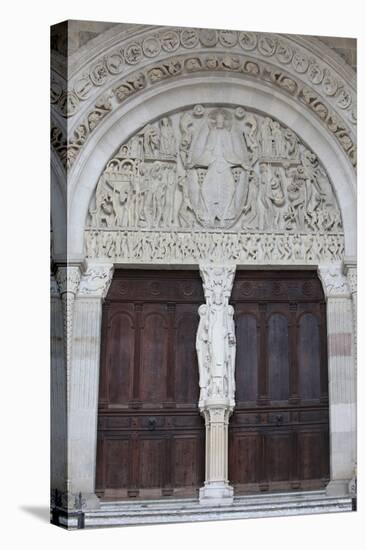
<point>278,357</point>
<point>150,432</point>
<point>152,462</point>
<point>248,342</point>
<point>244,458</point>
<point>186,451</point>
<point>117,461</point>
<point>311,454</point>
<point>278,456</point>
<point>186,365</point>
<point>280,439</point>
<point>121,357</point>
<point>309,357</point>
<point>154,354</point>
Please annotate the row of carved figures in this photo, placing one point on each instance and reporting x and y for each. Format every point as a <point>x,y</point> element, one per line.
<point>234,169</point>
<point>270,198</point>
<point>163,245</point>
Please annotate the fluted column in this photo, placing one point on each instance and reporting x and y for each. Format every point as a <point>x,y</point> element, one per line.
<point>58,396</point>
<point>216,346</point>
<point>84,382</point>
<point>342,382</point>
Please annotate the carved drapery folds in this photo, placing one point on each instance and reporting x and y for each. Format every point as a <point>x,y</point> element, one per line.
<point>211,170</point>
<point>216,346</point>
<point>215,342</point>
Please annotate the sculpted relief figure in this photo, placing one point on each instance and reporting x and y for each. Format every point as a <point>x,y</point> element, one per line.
<point>215,342</point>
<point>212,168</point>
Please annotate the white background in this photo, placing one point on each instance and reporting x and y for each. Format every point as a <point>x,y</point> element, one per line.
<point>24,272</point>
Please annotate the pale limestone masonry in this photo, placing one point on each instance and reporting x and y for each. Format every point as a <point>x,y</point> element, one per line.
<point>177,147</point>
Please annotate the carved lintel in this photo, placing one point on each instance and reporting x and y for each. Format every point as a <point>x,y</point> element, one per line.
<point>96,281</point>
<point>334,282</point>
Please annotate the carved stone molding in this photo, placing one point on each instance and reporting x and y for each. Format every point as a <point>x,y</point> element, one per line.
<point>289,63</point>
<point>95,281</point>
<point>334,282</point>
<point>175,67</point>
<point>300,57</point>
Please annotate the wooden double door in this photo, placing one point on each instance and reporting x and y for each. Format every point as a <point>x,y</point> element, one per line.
<point>150,433</point>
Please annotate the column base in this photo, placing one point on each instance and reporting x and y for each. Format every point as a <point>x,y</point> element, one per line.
<point>216,493</point>
<point>338,488</point>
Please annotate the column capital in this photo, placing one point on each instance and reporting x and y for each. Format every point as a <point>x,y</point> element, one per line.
<point>335,284</point>
<point>96,280</point>
<point>350,270</point>
<point>68,278</point>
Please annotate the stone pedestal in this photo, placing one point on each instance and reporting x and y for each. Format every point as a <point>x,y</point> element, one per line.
<point>216,489</point>
<point>216,345</point>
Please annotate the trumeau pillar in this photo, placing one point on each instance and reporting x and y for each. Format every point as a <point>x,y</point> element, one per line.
<point>216,347</point>
<point>342,380</point>
<point>84,383</point>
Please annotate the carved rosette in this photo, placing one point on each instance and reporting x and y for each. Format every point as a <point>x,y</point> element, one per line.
<point>95,281</point>
<point>294,66</point>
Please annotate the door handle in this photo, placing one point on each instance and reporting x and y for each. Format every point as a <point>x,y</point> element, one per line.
<point>151,423</point>
<point>279,418</point>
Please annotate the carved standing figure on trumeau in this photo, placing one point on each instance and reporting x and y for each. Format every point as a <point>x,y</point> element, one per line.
<point>215,341</point>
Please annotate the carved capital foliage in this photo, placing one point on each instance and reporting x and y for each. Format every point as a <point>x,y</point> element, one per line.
<point>351,273</point>
<point>215,341</point>
<point>334,282</point>
<point>96,281</point>
<point>217,283</point>
<point>68,279</point>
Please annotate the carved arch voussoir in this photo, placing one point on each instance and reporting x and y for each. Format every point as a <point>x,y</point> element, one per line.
<point>135,65</point>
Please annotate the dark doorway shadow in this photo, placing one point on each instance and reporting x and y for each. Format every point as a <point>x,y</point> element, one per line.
<point>40,512</point>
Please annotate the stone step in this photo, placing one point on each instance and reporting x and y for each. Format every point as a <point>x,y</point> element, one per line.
<point>189,510</point>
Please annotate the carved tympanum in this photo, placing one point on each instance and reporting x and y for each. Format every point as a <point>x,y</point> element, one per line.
<point>215,168</point>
